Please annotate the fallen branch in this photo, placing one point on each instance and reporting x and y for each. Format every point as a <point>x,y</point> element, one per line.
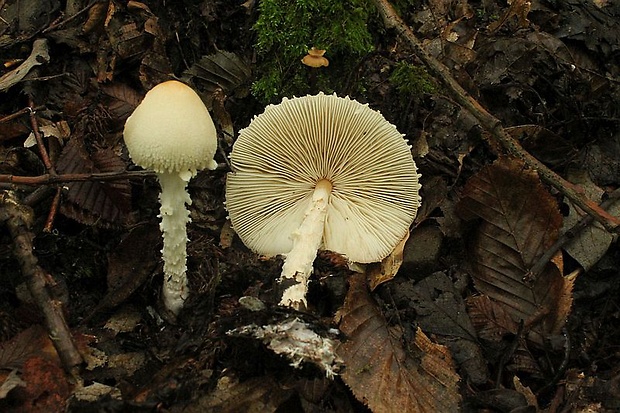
<point>490,123</point>
<point>17,218</point>
<point>49,179</point>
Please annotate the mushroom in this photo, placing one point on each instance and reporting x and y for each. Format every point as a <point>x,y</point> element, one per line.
<point>171,132</point>
<point>315,58</point>
<point>320,172</point>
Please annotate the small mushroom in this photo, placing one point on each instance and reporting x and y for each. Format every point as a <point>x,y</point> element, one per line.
<point>315,58</point>
<point>171,132</point>
<point>321,172</point>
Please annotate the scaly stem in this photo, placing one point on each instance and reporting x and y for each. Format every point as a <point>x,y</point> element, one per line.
<point>306,242</point>
<point>174,218</point>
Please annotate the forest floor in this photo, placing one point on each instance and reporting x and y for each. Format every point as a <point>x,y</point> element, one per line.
<point>504,298</point>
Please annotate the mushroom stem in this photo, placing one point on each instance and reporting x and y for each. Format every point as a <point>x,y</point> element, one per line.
<point>174,218</point>
<point>307,240</point>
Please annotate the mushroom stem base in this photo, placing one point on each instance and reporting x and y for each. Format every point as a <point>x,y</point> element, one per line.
<point>174,218</point>
<point>306,242</point>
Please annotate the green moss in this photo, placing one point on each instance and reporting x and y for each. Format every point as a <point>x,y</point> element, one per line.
<point>287,29</point>
<point>409,79</point>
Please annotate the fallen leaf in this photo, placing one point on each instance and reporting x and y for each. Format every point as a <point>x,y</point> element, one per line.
<point>491,320</point>
<point>47,389</point>
<point>32,342</point>
<point>96,391</point>
<point>94,202</point>
<point>589,245</point>
<point>123,100</point>
<point>519,221</point>
<point>255,395</point>
<point>381,371</point>
<point>129,265</point>
<point>223,70</point>
<point>388,267</point>
<point>96,17</point>
<point>519,9</point>
<point>441,312</point>
<point>124,320</point>
<point>221,116</point>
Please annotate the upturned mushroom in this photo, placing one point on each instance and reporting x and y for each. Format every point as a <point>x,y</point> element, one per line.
<point>320,172</point>
<point>315,58</point>
<point>171,132</point>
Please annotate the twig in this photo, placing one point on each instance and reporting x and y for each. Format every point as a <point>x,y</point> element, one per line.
<point>56,25</point>
<point>37,135</point>
<point>19,113</point>
<point>48,166</point>
<point>490,123</point>
<point>49,223</point>
<point>570,234</point>
<point>17,218</point>
<point>49,179</point>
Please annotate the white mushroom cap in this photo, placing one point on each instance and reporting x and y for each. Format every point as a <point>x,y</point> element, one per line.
<point>171,131</point>
<point>279,158</point>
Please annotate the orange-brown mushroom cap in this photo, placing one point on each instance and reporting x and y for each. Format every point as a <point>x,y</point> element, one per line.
<point>315,58</point>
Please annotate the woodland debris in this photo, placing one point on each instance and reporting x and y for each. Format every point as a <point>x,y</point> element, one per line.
<point>38,56</point>
<point>298,342</point>
<point>18,219</point>
<point>490,123</point>
<point>385,369</point>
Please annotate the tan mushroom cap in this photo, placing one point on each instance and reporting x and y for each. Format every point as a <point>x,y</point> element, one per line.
<point>279,158</point>
<point>171,131</point>
<point>315,58</point>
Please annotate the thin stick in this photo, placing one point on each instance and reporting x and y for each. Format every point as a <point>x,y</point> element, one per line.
<point>490,123</point>
<point>17,217</point>
<point>49,223</point>
<point>19,113</point>
<point>49,179</point>
<point>37,135</point>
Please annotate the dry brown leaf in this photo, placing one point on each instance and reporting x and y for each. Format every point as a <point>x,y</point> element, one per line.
<point>223,70</point>
<point>155,68</point>
<point>519,221</point>
<point>122,100</point>
<point>589,245</point>
<point>256,395</point>
<point>441,312</point>
<point>96,17</point>
<point>46,390</point>
<point>221,116</point>
<point>546,145</point>
<point>519,9</point>
<point>525,391</point>
<point>129,265</point>
<point>227,235</point>
<point>94,202</point>
<point>32,342</point>
<point>389,266</point>
<point>491,320</point>
<point>381,372</point>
